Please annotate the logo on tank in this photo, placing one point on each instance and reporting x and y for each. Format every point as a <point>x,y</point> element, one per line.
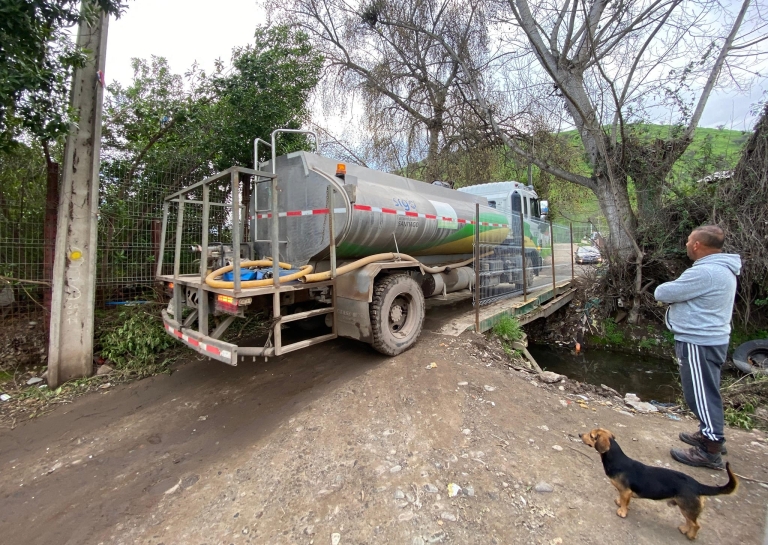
<point>404,203</point>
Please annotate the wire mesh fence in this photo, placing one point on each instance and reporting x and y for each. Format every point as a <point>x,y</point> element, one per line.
<point>533,257</point>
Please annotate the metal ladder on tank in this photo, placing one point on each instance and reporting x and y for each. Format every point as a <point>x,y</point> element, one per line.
<point>274,244</point>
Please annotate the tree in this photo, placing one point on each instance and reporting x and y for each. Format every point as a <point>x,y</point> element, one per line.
<point>605,63</point>
<point>36,62</point>
<point>406,78</point>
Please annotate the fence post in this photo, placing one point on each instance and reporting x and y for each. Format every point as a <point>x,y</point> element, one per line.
<point>573,274</point>
<point>552,250</point>
<point>477,267</point>
<point>522,253</point>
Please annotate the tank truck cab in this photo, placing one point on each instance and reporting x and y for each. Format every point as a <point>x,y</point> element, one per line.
<point>516,200</point>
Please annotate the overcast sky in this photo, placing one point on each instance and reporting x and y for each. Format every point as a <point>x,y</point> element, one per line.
<point>185,31</point>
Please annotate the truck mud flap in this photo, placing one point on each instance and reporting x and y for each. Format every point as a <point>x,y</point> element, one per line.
<point>213,348</point>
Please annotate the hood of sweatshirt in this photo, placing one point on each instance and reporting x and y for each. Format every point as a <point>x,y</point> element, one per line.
<point>731,262</point>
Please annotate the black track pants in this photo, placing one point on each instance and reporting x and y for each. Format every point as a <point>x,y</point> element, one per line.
<point>700,375</point>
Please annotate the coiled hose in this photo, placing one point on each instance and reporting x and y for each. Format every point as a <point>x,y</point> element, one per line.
<point>212,282</point>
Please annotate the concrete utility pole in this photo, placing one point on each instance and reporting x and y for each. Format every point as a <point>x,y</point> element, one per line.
<point>70,352</point>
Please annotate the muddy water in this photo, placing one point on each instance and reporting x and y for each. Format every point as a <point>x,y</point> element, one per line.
<point>650,378</point>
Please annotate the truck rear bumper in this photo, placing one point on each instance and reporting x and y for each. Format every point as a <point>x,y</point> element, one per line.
<point>208,346</point>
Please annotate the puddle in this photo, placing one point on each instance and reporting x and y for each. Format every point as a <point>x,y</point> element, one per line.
<point>649,378</point>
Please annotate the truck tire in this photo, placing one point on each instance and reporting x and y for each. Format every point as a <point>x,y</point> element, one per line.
<point>397,314</point>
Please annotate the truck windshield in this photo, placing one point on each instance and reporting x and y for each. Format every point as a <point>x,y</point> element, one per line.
<point>517,205</point>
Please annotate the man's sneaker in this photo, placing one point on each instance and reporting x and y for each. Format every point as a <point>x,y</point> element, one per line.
<point>698,458</point>
<point>698,440</point>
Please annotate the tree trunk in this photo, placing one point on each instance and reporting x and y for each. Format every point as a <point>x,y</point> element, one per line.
<point>615,205</point>
<point>432,171</point>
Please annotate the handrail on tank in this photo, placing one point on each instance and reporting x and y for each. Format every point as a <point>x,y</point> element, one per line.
<point>256,151</point>
<point>294,131</point>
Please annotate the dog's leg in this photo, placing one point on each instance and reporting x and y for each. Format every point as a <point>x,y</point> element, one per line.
<point>623,490</point>
<point>691,509</point>
<point>623,503</point>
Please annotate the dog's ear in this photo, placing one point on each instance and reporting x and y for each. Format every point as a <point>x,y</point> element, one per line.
<point>603,441</point>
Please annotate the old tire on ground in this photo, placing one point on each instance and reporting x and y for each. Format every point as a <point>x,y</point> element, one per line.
<point>752,357</point>
<point>397,314</point>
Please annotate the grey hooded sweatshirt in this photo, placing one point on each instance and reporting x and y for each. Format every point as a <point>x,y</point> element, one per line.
<point>702,300</point>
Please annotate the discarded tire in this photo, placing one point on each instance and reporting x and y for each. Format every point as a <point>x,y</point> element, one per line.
<point>752,357</point>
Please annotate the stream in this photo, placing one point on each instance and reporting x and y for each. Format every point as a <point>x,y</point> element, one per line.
<point>650,378</point>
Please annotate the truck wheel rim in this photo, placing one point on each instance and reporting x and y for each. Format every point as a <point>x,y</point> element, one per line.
<point>398,316</point>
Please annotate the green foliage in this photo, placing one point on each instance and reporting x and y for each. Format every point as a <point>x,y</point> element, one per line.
<point>743,417</point>
<point>37,57</point>
<point>135,340</point>
<point>612,333</point>
<point>739,336</point>
<point>647,344</point>
<point>508,329</point>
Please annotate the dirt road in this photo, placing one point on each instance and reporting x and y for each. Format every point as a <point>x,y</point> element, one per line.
<point>340,440</point>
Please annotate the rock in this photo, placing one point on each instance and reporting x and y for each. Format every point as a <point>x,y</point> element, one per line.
<point>34,380</point>
<point>549,377</point>
<point>489,388</point>
<point>558,448</point>
<point>189,481</point>
<point>104,370</point>
<point>309,530</point>
<point>429,487</point>
<point>610,390</point>
<point>335,538</point>
<point>450,517</point>
<point>405,517</point>
<point>466,431</point>
<point>469,490</point>
<point>105,386</point>
<point>418,540</point>
<point>395,469</point>
<point>463,383</point>
<point>544,488</point>
<point>399,494</point>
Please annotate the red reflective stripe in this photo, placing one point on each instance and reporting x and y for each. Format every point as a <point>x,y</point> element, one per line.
<point>461,221</point>
<point>447,219</point>
<point>388,211</point>
<point>412,214</point>
<point>430,216</point>
<point>193,342</point>
<point>177,333</point>
<point>320,211</point>
<point>213,350</point>
<point>362,207</point>
<point>293,213</point>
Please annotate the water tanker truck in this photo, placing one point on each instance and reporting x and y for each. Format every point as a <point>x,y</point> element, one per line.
<point>341,250</point>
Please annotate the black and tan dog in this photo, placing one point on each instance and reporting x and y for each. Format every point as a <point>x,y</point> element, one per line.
<point>631,478</point>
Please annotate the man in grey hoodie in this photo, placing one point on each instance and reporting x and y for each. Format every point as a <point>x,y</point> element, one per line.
<point>701,305</point>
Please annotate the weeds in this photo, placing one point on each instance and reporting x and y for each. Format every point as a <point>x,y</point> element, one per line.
<point>613,334</point>
<point>508,329</point>
<point>647,344</point>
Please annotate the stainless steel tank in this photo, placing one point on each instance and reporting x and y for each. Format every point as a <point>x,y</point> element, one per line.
<point>374,212</point>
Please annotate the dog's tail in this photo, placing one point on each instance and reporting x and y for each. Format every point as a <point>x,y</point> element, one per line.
<point>728,488</point>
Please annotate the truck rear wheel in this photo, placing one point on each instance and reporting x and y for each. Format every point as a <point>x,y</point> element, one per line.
<point>397,314</point>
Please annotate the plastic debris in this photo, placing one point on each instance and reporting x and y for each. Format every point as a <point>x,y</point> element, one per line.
<point>4,397</point>
<point>453,490</point>
<point>431,365</point>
